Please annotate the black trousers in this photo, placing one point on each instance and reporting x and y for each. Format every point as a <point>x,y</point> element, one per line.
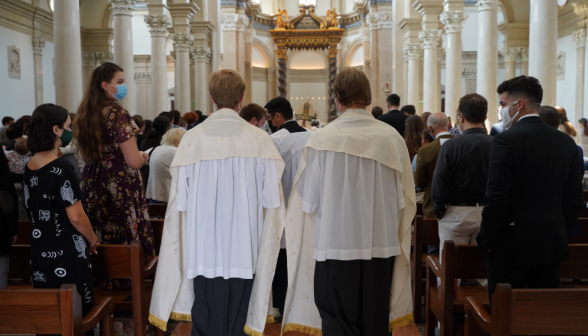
<point>353,297</point>
<point>220,306</point>
<point>280,282</point>
<point>502,268</point>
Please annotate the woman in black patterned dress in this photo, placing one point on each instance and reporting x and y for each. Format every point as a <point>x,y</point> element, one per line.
<point>62,239</point>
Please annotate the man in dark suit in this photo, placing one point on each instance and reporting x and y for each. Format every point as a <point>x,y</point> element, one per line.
<point>394,117</point>
<point>438,125</point>
<point>533,197</point>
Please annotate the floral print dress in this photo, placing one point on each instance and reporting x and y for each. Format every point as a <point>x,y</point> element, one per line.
<point>113,193</point>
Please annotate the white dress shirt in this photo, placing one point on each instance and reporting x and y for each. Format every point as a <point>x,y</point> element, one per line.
<point>159,175</point>
<point>224,201</point>
<point>357,201</point>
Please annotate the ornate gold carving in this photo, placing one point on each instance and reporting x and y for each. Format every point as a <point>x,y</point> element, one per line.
<point>280,23</point>
<point>333,53</point>
<point>332,18</point>
<point>282,53</point>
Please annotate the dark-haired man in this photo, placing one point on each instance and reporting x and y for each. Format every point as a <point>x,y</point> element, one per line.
<point>377,111</point>
<point>459,181</point>
<point>6,121</point>
<point>176,115</point>
<point>394,117</point>
<point>169,116</point>
<point>408,110</point>
<point>528,212</point>
<point>290,139</point>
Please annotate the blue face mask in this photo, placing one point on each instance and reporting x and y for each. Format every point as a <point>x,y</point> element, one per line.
<point>121,91</point>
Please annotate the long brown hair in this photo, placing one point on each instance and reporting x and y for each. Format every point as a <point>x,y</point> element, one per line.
<point>412,133</point>
<point>584,123</point>
<point>567,125</point>
<point>89,122</point>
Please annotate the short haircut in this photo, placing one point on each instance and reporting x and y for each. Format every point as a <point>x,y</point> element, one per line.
<point>138,120</point>
<point>315,123</point>
<point>251,111</point>
<point>377,111</point>
<point>172,136</point>
<point>166,114</point>
<point>190,117</point>
<point>409,109</point>
<point>40,130</point>
<point>523,87</point>
<point>280,105</point>
<point>21,147</point>
<point>428,136</point>
<point>437,121</point>
<point>226,88</point>
<point>550,115</point>
<point>353,88</point>
<point>176,115</point>
<point>393,99</point>
<point>6,120</point>
<point>474,108</point>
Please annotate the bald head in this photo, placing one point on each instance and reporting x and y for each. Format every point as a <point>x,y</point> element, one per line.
<point>437,123</point>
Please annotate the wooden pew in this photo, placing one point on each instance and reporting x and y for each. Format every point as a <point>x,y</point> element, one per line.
<point>126,262</point>
<point>582,238</point>
<point>529,312</point>
<point>157,210</point>
<point>426,233</point>
<point>576,267</point>
<point>52,311</point>
<point>458,262</point>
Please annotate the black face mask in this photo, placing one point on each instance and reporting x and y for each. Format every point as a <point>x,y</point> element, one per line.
<point>273,128</point>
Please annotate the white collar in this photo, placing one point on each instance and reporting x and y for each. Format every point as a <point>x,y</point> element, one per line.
<point>442,134</point>
<point>529,115</point>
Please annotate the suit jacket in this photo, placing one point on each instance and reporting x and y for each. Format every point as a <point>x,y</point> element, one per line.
<point>534,194</point>
<point>396,119</point>
<point>423,176</point>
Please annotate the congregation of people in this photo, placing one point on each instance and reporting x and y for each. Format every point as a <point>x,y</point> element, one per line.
<point>263,212</point>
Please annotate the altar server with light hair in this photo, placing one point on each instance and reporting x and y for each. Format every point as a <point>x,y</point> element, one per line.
<point>348,224</point>
<point>217,241</point>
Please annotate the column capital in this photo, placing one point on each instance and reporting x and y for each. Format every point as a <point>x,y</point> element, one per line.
<point>201,54</point>
<point>102,57</point>
<point>122,7</point>
<point>580,38</point>
<point>470,73</point>
<point>142,77</point>
<point>158,24</point>
<point>182,41</point>
<point>453,20</point>
<point>234,22</point>
<point>510,54</point>
<point>524,51</point>
<point>412,51</point>
<point>38,45</point>
<point>379,20</point>
<point>430,38</point>
<point>88,59</point>
<point>486,5</point>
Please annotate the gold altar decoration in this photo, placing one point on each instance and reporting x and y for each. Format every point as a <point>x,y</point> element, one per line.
<point>327,36</point>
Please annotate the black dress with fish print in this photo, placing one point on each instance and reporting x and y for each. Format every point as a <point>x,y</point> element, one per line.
<point>59,253</point>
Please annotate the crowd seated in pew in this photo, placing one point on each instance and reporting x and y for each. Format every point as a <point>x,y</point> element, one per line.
<point>529,312</point>
<point>112,261</point>
<point>56,311</point>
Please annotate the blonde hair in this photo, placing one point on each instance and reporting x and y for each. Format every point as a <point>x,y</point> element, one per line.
<point>173,137</point>
<point>353,88</point>
<point>226,88</point>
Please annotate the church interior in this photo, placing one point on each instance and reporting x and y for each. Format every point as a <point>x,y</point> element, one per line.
<point>429,52</point>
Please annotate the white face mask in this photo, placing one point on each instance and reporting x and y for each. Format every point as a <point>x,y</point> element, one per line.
<point>337,107</point>
<point>506,118</point>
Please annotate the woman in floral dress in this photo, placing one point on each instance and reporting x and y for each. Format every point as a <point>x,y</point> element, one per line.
<point>112,189</point>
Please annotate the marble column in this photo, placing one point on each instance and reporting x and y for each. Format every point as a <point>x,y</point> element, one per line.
<point>88,66</point>
<point>123,48</point>
<point>158,25</point>
<point>365,32</point>
<point>380,22</point>
<point>68,58</point>
<point>233,27</point>
<point>542,50</point>
<point>413,53</point>
<point>524,52</point>
<point>333,51</point>
<point>580,39</point>
<point>248,70</point>
<point>182,43</point>
<point>510,62</point>
<point>282,60</point>
<point>201,56</point>
<point>172,54</point>
<point>144,107</point>
<point>271,84</point>
<point>453,21</point>
<point>471,76</point>
<point>38,45</point>
<point>488,54</point>
<point>431,91</point>
<point>440,55</point>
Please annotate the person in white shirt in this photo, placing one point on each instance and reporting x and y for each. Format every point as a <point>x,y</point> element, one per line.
<point>217,243</point>
<point>159,163</point>
<point>348,223</point>
<point>289,139</point>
